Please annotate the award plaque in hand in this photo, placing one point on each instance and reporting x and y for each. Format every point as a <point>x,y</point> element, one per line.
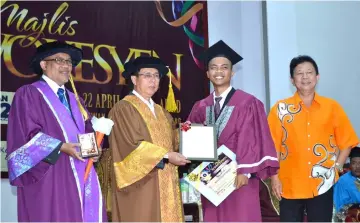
<point>198,142</point>
<point>88,146</point>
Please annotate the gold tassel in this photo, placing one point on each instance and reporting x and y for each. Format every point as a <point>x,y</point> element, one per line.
<point>82,109</point>
<point>170,100</point>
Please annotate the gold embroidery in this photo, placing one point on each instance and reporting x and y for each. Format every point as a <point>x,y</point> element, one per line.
<point>135,166</point>
<point>177,140</point>
<point>357,184</point>
<point>274,201</point>
<point>162,135</point>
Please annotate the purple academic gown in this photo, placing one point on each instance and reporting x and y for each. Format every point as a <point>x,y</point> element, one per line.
<point>38,122</point>
<point>242,127</point>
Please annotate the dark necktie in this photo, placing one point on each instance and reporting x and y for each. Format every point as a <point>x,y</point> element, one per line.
<point>217,106</point>
<point>61,94</point>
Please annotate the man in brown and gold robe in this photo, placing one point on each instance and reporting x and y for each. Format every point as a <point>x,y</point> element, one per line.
<point>143,140</point>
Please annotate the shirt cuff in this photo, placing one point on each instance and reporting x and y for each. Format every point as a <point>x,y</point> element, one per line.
<point>246,174</point>
<point>166,156</point>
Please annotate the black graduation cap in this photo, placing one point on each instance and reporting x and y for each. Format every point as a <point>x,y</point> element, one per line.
<point>48,49</point>
<point>131,67</point>
<point>355,152</point>
<point>220,49</point>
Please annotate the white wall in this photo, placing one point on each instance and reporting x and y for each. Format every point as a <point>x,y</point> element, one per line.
<point>282,47</point>
<point>8,202</point>
<point>327,31</point>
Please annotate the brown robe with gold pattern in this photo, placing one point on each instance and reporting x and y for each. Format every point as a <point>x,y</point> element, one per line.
<point>139,141</point>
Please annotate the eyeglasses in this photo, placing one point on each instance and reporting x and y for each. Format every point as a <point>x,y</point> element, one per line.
<point>149,76</point>
<point>61,61</point>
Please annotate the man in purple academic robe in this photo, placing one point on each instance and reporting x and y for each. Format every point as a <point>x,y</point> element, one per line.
<point>43,150</point>
<point>241,126</point>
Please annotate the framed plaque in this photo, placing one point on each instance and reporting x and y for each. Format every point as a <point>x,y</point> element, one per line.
<point>199,143</point>
<point>88,146</point>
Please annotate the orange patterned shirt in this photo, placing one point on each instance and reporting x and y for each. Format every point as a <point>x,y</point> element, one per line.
<point>309,140</point>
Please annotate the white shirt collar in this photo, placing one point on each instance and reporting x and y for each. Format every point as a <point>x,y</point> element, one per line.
<point>149,103</point>
<point>223,96</point>
<point>53,85</point>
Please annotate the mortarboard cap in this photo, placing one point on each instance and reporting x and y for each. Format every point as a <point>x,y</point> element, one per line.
<point>220,49</point>
<point>144,62</point>
<point>49,49</point>
<point>355,152</point>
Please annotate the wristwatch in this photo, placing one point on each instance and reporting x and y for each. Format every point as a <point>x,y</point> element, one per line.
<point>339,167</point>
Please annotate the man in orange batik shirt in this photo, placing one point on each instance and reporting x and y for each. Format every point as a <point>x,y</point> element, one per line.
<point>313,137</point>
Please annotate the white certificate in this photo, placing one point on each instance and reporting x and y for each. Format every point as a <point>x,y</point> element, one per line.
<point>199,143</point>
<point>215,180</point>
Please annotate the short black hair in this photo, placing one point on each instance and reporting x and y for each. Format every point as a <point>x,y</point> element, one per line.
<point>302,59</point>
<point>128,80</point>
<point>355,152</point>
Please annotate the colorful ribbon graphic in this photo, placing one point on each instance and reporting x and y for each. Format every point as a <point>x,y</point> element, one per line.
<point>188,10</point>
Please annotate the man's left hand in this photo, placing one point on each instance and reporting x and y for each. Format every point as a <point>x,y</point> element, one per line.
<point>241,180</point>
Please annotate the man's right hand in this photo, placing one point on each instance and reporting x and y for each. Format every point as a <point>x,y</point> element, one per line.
<point>70,149</point>
<point>177,159</point>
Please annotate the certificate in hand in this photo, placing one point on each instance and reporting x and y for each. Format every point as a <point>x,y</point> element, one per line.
<point>198,142</point>
<point>215,180</point>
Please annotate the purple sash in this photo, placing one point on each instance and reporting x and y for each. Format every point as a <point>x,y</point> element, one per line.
<point>89,193</point>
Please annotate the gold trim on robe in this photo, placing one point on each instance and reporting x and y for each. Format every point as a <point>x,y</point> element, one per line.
<point>162,135</point>
<point>138,164</point>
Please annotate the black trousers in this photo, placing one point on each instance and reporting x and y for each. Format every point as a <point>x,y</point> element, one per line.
<point>318,209</point>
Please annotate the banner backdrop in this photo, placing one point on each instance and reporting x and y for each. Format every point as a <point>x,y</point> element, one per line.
<point>110,34</point>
